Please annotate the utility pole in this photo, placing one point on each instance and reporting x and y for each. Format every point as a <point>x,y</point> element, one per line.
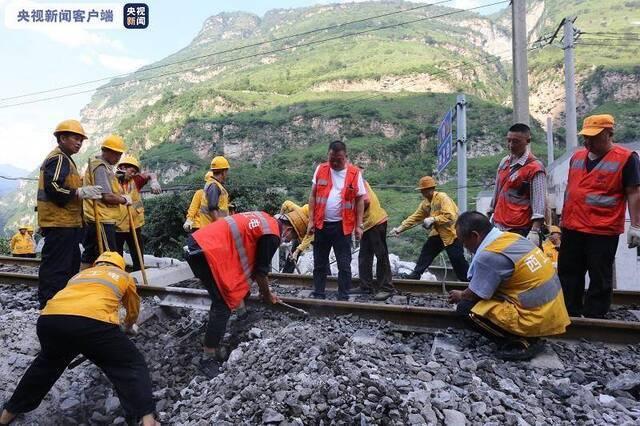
<point>549,141</point>
<point>461,144</point>
<point>571,125</point>
<point>520,68</point>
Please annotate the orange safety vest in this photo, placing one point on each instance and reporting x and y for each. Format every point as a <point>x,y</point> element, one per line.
<point>349,193</point>
<point>513,203</point>
<point>229,245</point>
<point>594,202</point>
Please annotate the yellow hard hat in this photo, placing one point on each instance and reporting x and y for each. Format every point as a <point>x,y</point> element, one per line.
<point>114,143</point>
<point>299,220</point>
<point>426,182</point>
<point>219,163</point>
<point>555,229</point>
<point>71,126</point>
<point>111,257</point>
<point>208,176</point>
<point>29,228</point>
<point>23,227</point>
<point>130,160</point>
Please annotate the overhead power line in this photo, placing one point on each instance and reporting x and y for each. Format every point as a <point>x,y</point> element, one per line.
<point>282,49</point>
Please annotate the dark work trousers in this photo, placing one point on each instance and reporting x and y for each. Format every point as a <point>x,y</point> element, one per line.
<point>60,261</point>
<point>62,338</point>
<point>289,264</point>
<point>25,255</point>
<point>90,242</point>
<point>331,235</point>
<point>374,243</point>
<point>581,253</point>
<point>126,237</point>
<point>219,312</point>
<point>432,248</point>
<point>483,326</point>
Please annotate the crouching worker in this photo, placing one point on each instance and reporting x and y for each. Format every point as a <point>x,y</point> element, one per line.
<point>226,256</point>
<point>514,296</point>
<point>83,319</point>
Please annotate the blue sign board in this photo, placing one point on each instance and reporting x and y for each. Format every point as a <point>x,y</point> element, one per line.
<point>445,146</point>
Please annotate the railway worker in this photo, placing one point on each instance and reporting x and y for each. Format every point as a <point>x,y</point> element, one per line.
<point>514,296</point>
<point>83,318</point>
<point>551,246</point>
<point>59,206</point>
<point>519,199</point>
<point>603,177</point>
<point>299,218</point>
<point>131,181</point>
<point>438,214</point>
<point>22,244</point>
<point>226,256</point>
<point>374,243</point>
<point>100,172</point>
<point>193,221</point>
<point>215,200</point>
<point>336,211</point>
<point>33,240</point>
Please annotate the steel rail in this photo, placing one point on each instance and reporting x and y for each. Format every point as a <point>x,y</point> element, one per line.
<point>612,331</point>
<point>620,297</point>
<point>20,261</point>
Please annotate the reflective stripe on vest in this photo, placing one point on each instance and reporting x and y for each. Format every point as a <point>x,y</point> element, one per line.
<point>607,166</point>
<point>601,200</point>
<point>239,245</point>
<point>540,295</point>
<point>517,250</point>
<point>513,197</point>
<point>102,281</point>
<point>321,200</point>
<point>322,182</point>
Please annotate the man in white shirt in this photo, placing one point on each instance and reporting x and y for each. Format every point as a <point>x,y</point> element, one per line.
<point>336,209</point>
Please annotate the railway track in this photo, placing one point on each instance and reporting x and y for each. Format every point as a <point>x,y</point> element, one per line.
<point>412,318</point>
<point>417,287</point>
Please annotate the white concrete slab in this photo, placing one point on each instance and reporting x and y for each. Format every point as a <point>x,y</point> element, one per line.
<point>165,276</point>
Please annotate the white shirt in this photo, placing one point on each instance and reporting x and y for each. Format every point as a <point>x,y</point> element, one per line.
<point>333,211</point>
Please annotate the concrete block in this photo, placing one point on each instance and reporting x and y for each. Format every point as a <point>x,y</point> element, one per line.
<point>165,276</point>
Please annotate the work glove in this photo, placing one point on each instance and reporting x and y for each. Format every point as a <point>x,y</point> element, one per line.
<point>295,255</point>
<point>396,231</point>
<point>633,236</point>
<point>128,200</point>
<point>155,187</point>
<point>428,222</point>
<point>187,225</point>
<point>89,192</point>
<point>534,237</point>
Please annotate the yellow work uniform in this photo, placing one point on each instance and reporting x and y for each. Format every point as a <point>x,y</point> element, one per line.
<point>22,244</point>
<point>374,214</point>
<point>137,208</point>
<point>301,228</point>
<point>445,212</point>
<point>97,293</point>
<point>530,302</point>
<point>193,213</point>
<point>551,251</point>
<point>109,213</point>
<point>51,214</point>
<point>206,216</point>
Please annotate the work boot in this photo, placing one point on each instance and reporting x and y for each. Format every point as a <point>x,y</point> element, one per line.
<point>209,366</point>
<point>411,276</point>
<point>520,350</point>
<point>382,295</point>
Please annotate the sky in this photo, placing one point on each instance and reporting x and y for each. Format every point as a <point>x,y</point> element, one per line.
<point>35,60</point>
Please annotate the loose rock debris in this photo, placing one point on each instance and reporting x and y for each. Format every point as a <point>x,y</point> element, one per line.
<point>333,371</point>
